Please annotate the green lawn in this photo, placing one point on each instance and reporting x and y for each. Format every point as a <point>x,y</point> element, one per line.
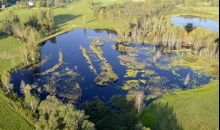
<point>9,51</point>
<point>195,109</point>
<point>213,12</point>
<point>10,116</point>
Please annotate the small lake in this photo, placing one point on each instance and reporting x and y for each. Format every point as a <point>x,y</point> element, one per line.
<point>196,21</point>
<point>156,76</point>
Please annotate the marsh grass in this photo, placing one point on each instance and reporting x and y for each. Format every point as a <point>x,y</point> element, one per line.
<point>200,65</point>
<point>91,67</point>
<point>107,75</point>
<point>56,66</point>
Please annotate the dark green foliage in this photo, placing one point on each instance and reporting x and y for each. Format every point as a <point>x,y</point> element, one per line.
<point>117,114</point>
<point>43,21</point>
<point>147,118</point>
<point>164,117</point>
<point>56,115</point>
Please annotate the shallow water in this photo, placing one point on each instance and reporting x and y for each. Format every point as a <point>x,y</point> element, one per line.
<point>196,21</point>
<point>73,59</point>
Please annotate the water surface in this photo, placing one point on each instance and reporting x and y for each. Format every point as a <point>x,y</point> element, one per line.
<point>69,44</point>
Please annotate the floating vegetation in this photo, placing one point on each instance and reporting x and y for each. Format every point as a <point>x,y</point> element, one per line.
<point>56,66</point>
<point>97,42</point>
<point>88,60</point>
<point>107,75</point>
<point>132,54</point>
<point>54,84</point>
<point>123,49</point>
<point>131,73</point>
<point>131,84</point>
<point>174,72</point>
<point>154,92</point>
<point>154,79</point>
<point>143,81</point>
<point>148,72</point>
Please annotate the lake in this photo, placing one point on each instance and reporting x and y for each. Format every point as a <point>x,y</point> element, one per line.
<point>155,76</point>
<point>196,21</point>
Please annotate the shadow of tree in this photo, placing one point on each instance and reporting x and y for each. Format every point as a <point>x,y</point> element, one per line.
<point>116,114</point>
<point>164,117</point>
<point>3,35</point>
<point>64,18</point>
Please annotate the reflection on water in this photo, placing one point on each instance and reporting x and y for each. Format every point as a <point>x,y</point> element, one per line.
<point>196,21</point>
<point>138,66</point>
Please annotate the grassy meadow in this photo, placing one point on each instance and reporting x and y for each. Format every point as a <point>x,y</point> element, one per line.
<point>9,52</point>
<point>10,117</point>
<point>194,109</point>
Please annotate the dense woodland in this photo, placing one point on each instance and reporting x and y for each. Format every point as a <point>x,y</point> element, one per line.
<point>140,22</point>
<point>136,22</point>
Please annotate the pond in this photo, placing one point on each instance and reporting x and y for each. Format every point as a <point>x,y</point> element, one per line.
<point>196,21</point>
<point>137,66</point>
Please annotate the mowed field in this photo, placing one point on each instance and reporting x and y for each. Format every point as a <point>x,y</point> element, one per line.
<point>10,118</point>
<point>194,109</point>
<point>10,53</point>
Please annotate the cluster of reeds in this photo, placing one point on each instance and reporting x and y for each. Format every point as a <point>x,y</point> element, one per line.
<point>91,67</point>
<point>56,66</point>
<point>107,75</point>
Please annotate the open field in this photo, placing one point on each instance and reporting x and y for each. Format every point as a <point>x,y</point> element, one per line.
<point>212,10</point>
<point>10,116</point>
<point>194,109</point>
<point>9,51</point>
<point>206,12</point>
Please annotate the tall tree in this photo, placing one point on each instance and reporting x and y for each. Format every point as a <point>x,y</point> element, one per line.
<point>6,78</point>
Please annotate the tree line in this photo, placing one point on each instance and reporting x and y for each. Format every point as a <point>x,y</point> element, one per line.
<point>138,22</point>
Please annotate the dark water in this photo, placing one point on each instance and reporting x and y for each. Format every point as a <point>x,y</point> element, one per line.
<point>197,22</point>
<point>73,59</point>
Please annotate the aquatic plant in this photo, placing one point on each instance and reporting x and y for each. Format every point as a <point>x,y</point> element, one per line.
<point>154,79</point>
<point>131,73</point>
<point>88,60</point>
<point>107,75</point>
<point>56,66</point>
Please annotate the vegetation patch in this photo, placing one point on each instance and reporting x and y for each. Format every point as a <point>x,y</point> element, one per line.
<point>56,66</point>
<point>131,73</point>
<point>107,75</point>
<point>207,66</point>
<point>88,60</point>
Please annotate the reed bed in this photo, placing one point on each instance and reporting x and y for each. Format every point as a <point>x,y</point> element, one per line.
<point>107,75</point>
<point>54,67</point>
<point>91,67</point>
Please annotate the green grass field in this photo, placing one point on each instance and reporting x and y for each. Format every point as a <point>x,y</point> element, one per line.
<point>194,109</point>
<point>10,116</point>
<point>213,12</point>
<point>9,51</point>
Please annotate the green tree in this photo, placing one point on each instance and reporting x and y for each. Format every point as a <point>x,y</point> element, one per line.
<point>31,100</point>
<point>6,78</point>
<point>56,115</point>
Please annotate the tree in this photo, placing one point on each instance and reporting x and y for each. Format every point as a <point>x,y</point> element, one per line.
<point>6,78</point>
<point>56,115</point>
<point>32,101</point>
<point>139,100</point>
